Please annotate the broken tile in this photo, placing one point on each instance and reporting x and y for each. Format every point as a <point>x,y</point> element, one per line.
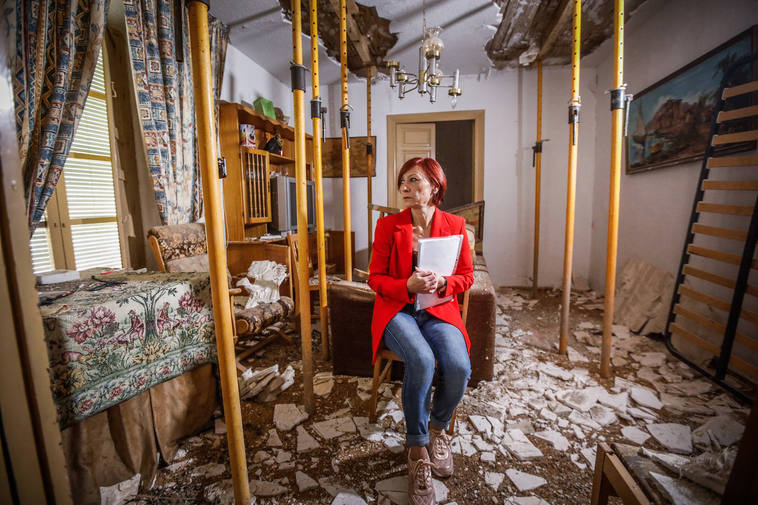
<point>273,439</point>
<point>481,424</point>
<point>683,492</point>
<point>266,488</point>
<point>645,398</point>
<point>209,470</point>
<point>287,416</point>
<point>487,457</point>
<point>548,414</point>
<point>524,481</point>
<point>332,428</point>
<point>122,492</point>
<point>560,443</point>
<point>346,498</point>
<point>396,489</point>
<point>583,420</point>
<point>641,414</point>
<point>520,446</point>
<point>724,428</point>
<point>602,415</point>
<point>618,402</point>
<point>555,371</point>
<point>590,454</point>
<point>305,442</point>
<point>673,462</point>
<point>688,405</point>
<point>493,479</point>
<point>575,356</point>
<point>525,500</point>
<point>582,399</point>
<point>674,437</point>
<point>634,434</point>
<point>690,388</point>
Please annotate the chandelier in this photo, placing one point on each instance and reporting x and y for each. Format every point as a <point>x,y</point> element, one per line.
<point>430,76</point>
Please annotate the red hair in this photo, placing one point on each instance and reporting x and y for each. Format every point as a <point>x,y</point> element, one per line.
<point>432,171</point>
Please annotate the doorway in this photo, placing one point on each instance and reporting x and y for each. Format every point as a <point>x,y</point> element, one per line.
<point>455,139</point>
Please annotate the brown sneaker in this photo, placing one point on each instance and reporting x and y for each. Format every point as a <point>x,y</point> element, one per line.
<point>440,454</point>
<point>420,487</point>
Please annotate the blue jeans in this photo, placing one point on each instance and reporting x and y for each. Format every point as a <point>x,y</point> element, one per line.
<point>419,339</point>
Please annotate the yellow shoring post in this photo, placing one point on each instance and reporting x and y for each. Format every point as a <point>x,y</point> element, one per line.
<point>317,176</point>
<point>303,294</point>
<point>214,230</point>
<point>537,179</point>
<point>618,104</point>
<point>369,158</point>
<point>345,123</point>
<point>574,106</point>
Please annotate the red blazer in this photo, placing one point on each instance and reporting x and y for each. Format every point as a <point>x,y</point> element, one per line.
<point>390,268</point>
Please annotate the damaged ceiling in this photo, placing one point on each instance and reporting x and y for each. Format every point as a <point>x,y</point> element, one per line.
<point>478,35</point>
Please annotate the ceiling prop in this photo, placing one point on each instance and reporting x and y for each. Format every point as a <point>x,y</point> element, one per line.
<point>368,35</point>
<point>540,29</point>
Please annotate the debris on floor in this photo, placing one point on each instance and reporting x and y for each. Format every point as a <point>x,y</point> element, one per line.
<point>527,437</point>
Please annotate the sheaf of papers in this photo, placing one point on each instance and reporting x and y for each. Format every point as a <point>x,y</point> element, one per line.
<point>437,254</point>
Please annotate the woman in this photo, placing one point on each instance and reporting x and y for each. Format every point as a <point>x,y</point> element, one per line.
<point>421,337</point>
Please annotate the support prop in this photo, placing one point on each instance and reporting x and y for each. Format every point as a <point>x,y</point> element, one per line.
<point>214,231</point>
<point>369,159</point>
<point>303,299</point>
<point>619,102</point>
<point>316,116</point>
<point>574,106</point>
<point>537,163</point>
<point>345,124</point>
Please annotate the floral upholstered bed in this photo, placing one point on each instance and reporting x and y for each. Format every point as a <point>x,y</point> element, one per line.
<point>109,345</point>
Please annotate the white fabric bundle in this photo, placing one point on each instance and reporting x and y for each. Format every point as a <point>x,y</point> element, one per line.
<point>268,276</point>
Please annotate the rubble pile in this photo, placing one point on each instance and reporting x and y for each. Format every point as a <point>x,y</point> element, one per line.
<point>539,411</point>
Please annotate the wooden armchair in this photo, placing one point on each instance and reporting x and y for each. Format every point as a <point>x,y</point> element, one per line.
<point>183,248</point>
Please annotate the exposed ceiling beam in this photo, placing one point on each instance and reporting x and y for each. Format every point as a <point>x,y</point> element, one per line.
<point>514,28</point>
<point>354,35</point>
<point>555,29</point>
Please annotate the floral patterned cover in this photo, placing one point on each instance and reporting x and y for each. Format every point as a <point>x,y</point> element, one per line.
<point>109,345</point>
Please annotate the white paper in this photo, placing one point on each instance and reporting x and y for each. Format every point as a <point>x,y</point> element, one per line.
<point>438,254</point>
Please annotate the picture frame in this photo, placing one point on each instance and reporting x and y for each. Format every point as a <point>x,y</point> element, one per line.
<point>670,121</point>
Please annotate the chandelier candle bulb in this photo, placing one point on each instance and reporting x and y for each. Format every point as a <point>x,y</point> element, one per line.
<point>457,80</point>
<point>421,71</point>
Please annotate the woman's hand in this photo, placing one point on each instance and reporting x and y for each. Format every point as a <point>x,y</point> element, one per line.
<point>422,281</point>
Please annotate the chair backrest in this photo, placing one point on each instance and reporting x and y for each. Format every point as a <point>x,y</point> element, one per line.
<point>176,241</point>
<point>383,210</point>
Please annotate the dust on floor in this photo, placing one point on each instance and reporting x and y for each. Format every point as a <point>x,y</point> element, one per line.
<point>526,437</point>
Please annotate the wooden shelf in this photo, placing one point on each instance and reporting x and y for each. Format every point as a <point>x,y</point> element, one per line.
<point>276,159</point>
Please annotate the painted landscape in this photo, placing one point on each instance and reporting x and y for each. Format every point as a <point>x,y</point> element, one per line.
<point>670,122</point>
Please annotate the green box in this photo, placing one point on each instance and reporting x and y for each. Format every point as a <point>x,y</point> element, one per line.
<point>265,107</point>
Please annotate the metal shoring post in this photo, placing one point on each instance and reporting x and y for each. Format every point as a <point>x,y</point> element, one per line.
<point>574,106</point>
<point>214,229</point>
<point>345,124</point>
<point>316,116</point>
<point>537,161</point>
<point>617,125</point>
<point>369,159</point>
<point>303,295</point>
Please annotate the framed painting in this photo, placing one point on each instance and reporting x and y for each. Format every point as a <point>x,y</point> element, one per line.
<point>670,121</point>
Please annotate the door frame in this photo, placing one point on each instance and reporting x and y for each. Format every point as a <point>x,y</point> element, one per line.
<point>430,117</point>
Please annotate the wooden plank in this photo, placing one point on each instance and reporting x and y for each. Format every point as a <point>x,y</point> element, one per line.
<point>731,138</point>
<point>516,19</point>
<point>731,185</point>
<point>732,161</point>
<point>748,87</point>
<point>701,297</point>
<point>722,256</point>
<point>720,208</point>
<point>360,44</point>
<point>729,115</point>
<point>718,279</point>
<point>716,231</point>
<point>748,342</point>
<point>735,362</point>
<point>622,481</point>
<point>559,23</point>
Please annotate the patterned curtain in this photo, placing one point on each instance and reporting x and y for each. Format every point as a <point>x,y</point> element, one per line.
<point>57,45</point>
<point>162,75</point>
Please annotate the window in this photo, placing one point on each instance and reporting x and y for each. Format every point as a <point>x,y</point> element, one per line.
<point>80,230</point>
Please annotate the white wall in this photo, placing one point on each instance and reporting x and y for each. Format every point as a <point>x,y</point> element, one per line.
<point>245,80</point>
<point>509,101</point>
<point>661,37</point>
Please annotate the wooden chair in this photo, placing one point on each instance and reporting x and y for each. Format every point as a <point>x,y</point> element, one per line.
<point>383,366</point>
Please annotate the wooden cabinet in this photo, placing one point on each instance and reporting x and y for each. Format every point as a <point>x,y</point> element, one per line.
<point>247,190</point>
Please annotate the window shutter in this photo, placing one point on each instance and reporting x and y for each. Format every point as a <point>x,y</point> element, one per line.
<point>42,259</point>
